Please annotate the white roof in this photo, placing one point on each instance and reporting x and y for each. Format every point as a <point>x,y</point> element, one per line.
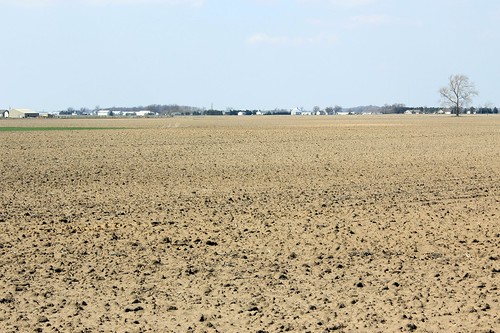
<point>23,110</point>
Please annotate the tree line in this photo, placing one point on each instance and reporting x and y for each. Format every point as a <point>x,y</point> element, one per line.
<point>177,110</point>
<point>456,96</point>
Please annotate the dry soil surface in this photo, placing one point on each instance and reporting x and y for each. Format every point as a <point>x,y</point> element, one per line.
<point>251,224</point>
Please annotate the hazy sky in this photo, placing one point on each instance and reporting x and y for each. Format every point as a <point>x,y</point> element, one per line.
<point>255,54</point>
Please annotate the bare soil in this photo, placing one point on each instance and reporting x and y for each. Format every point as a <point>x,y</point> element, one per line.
<point>251,224</point>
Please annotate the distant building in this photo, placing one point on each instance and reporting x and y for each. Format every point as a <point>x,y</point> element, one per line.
<point>4,113</point>
<point>22,113</point>
<point>103,113</point>
<point>414,111</point>
<point>144,113</point>
<point>296,112</point>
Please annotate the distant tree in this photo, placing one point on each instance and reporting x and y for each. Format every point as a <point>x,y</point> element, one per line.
<point>458,93</point>
<point>316,109</point>
<point>212,112</point>
<point>399,108</point>
<point>329,110</point>
<point>337,109</point>
<point>485,110</point>
<point>495,110</point>
<point>84,111</point>
<point>394,108</point>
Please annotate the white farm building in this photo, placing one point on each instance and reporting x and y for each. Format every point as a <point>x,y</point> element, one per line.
<point>22,113</point>
<point>144,113</point>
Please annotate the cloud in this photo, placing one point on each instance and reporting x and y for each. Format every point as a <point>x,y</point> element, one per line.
<point>352,3</point>
<point>370,20</point>
<point>377,21</point>
<point>265,2</point>
<point>495,14</point>
<point>341,3</point>
<point>28,3</point>
<point>132,2</point>
<point>42,3</point>
<point>265,39</point>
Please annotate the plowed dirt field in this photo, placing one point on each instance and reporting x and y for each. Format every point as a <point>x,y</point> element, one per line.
<point>251,224</point>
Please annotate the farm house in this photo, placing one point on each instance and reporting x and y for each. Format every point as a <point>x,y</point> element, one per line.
<point>103,113</point>
<point>144,113</point>
<point>22,113</point>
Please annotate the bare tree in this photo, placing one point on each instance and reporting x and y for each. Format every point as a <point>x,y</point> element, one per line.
<point>458,93</point>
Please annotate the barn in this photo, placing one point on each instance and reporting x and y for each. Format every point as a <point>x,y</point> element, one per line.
<point>104,113</point>
<point>144,113</point>
<point>22,113</point>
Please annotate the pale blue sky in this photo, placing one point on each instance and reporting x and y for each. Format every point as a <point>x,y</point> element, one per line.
<point>255,54</point>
